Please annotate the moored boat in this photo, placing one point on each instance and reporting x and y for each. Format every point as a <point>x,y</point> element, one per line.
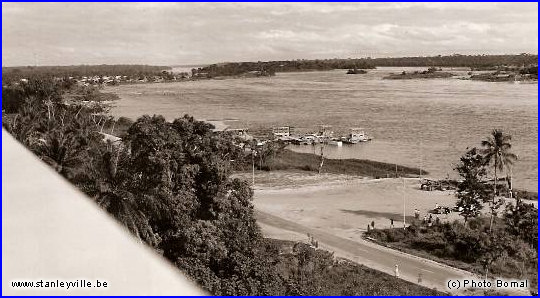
<point>356,136</point>
<point>336,142</point>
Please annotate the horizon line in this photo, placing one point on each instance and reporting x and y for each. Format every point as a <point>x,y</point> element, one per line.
<point>225,62</point>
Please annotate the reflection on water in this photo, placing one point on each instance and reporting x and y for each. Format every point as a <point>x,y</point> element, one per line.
<point>427,123</point>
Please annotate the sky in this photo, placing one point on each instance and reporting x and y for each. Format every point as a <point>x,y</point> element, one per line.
<point>200,33</point>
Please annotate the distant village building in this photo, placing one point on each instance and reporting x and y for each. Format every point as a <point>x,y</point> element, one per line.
<point>282,131</point>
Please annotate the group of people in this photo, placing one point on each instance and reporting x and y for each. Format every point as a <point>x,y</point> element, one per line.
<point>428,221</point>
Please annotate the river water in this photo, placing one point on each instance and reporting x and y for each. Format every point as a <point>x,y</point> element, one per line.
<point>420,123</point>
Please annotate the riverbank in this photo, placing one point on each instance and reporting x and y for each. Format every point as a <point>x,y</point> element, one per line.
<point>290,160</point>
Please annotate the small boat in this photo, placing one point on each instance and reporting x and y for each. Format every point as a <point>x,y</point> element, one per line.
<point>338,143</point>
<point>304,140</point>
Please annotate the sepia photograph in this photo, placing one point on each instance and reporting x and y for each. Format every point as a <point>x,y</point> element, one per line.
<point>270,149</point>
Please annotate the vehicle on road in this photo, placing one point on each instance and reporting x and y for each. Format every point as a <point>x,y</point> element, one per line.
<point>441,210</point>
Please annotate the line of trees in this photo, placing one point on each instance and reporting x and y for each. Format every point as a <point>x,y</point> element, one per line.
<point>471,61</point>
<point>271,67</point>
<point>456,60</point>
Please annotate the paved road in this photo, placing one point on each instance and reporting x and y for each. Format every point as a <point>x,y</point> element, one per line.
<point>434,275</point>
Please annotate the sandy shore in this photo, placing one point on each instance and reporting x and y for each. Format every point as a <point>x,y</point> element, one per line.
<point>346,205</point>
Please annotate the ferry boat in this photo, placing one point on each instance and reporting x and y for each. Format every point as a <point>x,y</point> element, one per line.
<point>356,136</point>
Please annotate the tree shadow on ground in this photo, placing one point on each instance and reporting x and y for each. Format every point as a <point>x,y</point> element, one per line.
<point>388,215</point>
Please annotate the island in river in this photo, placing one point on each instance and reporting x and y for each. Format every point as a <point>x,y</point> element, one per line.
<point>431,73</point>
<point>356,71</point>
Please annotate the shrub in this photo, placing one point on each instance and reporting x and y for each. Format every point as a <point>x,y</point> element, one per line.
<point>396,235</point>
<point>380,235</point>
<point>430,241</point>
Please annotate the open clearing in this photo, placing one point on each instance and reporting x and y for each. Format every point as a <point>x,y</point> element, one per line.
<point>345,208</point>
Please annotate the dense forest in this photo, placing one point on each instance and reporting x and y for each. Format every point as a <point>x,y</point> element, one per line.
<point>471,61</point>
<point>271,67</point>
<point>169,184</point>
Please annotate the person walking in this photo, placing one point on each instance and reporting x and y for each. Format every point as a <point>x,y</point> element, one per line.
<point>396,271</point>
<point>391,223</point>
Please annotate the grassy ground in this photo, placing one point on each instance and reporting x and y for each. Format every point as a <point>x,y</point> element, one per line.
<point>289,160</point>
<point>313,271</point>
<point>526,195</point>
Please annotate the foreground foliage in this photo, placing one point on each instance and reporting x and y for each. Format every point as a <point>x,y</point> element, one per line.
<point>509,251</point>
<point>310,271</point>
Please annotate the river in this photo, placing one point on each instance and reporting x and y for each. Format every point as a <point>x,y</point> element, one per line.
<point>421,123</point>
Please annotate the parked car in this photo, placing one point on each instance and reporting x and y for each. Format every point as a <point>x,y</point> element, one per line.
<point>457,209</point>
<point>442,210</point>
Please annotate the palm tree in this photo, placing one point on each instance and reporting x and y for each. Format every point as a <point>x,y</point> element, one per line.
<point>60,150</point>
<point>115,197</point>
<point>497,151</point>
<point>122,205</point>
<point>26,124</point>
